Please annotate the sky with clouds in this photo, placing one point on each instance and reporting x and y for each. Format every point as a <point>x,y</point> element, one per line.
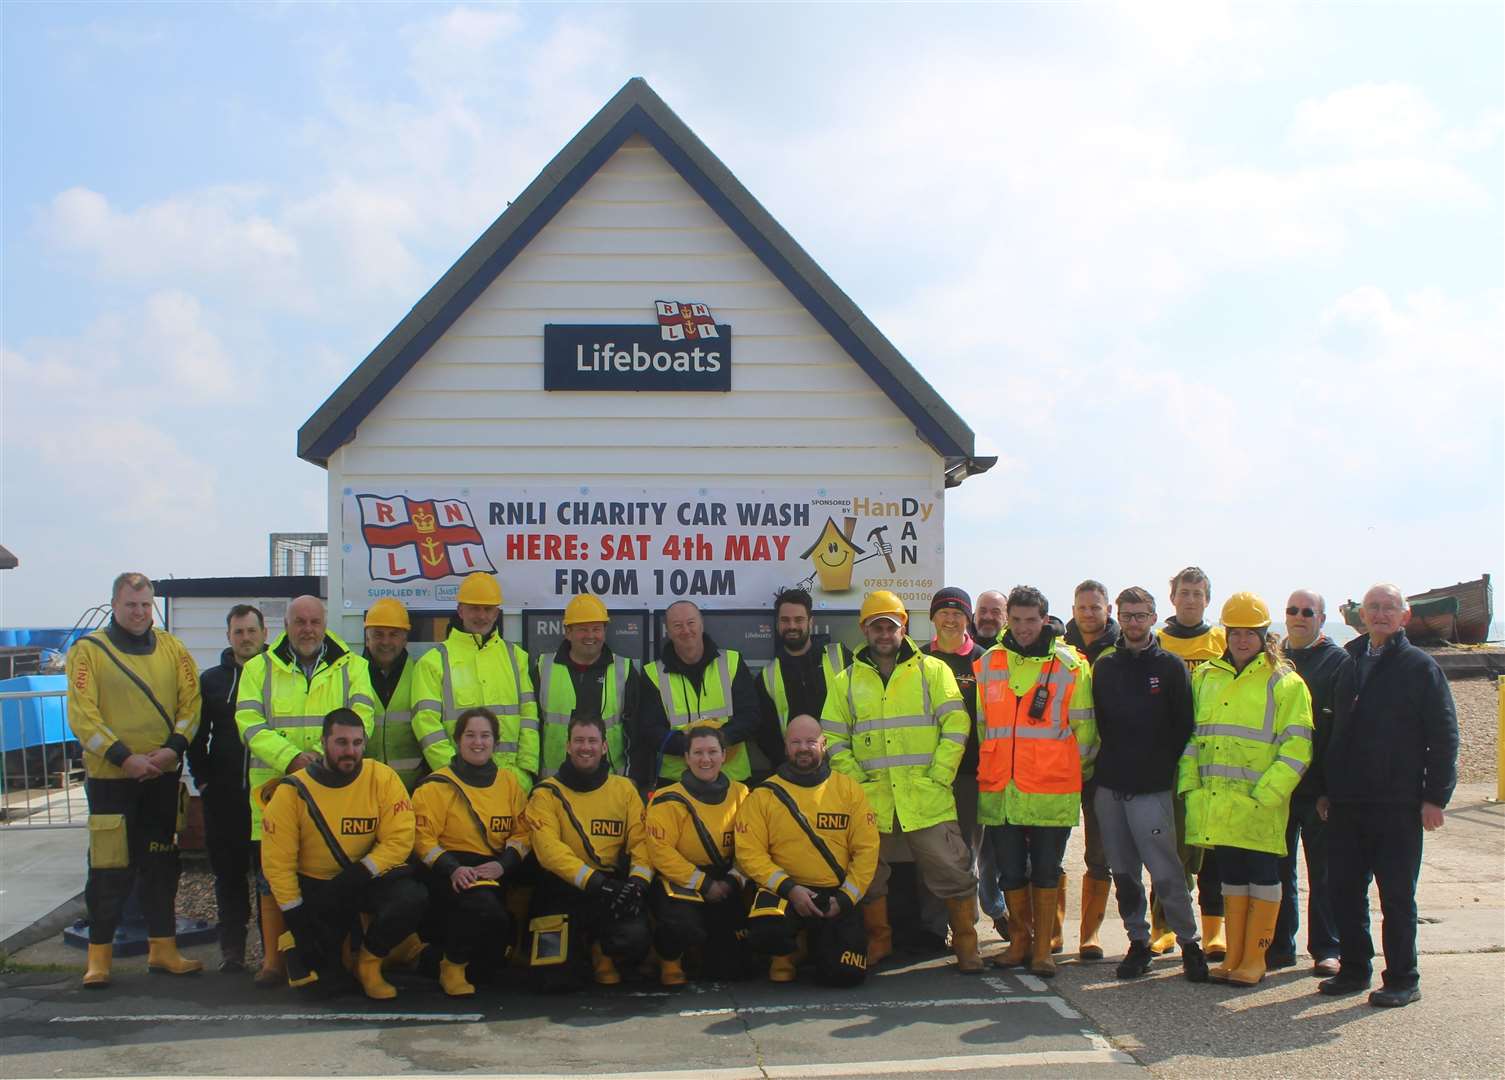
<point>1220,284</point>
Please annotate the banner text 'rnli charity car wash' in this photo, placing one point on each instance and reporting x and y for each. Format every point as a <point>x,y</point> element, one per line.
<point>635,384</point>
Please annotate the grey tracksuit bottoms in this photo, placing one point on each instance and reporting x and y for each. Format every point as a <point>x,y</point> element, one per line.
<point>1139,832</point>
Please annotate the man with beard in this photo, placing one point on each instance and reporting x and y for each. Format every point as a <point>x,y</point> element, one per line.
<point>809,840</point>
<point>392,740</point>
<point>585,678</point>
<point>1039,739</point>
<point>474,666</point>
<point>795,682</point>
<point>1187,634</point>
<point>587,831</point>
<point>217,759</point>
<point>133,702</point>
<point>284,693</point>
<point>333,834</point>
<point>897,725</point>
<point>695,682</point>
<point>1090,632</point>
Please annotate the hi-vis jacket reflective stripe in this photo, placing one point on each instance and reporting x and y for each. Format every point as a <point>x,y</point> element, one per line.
<point>831,662</point>
<point>901,741</point>
<point>466,671</point>
<point>774,852</point>
<point>612,817</point>
<point>110,715</point>
<point>712,707</point>
<point>445,823</point>
<point>674,846</point>
<point>556,702</point>
<point>1252,745</point>
<point>280,712</point>
<point>369,814</point>
<point>393,742</point>
<point>1029,772</point>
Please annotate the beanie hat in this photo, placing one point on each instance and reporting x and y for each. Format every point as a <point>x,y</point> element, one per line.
<point>951,597</point>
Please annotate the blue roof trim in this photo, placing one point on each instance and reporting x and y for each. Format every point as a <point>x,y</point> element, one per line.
<point>636,120</point>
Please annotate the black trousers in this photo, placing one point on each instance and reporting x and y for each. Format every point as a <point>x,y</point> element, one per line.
<point>395,903</point>
<point>1321,933</point>
<point>719,930</point>
<point>625,940</point>
<point>838,946</point>
<point>471,926</point>
<point>227,834</point>
<point>1382,841</point>
<point>133,828</point>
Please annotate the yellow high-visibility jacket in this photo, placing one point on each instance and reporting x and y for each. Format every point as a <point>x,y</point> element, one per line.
<point>370,814</point>
<point>109,714</point>
<point>459,815</point>
<point>776,853</point>
<point>901,740</point>
<point>392,740</point>
<point>675,849</point>
<point>468,670</point>
<point>611,817</point>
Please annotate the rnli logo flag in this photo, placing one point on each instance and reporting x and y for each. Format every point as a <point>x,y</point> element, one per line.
<point>680,321</point>
<point>421,538</point>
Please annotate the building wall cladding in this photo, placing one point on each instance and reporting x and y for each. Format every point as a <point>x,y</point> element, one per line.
<point>473,409</point>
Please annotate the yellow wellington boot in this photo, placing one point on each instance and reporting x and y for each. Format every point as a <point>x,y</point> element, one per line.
<point>1020,919</point>
<point>1057,934</point>
<point>671,973</point>
<point>1259,931</point>
<point>452,979</point>
<point>404,955</point>
<point>603,969</point>
<point>368,974</point>
<point>1162,937</point>
<point>1235,923</point>
<point>97,977</point>
<point>163,958</point>
<point>1214,944</point>
<point>963,918</point>
<point>273,964</point>
<point>1043,901</point>
<point>782,969</point>
<point>1094,906</point>
<point>880,936</point>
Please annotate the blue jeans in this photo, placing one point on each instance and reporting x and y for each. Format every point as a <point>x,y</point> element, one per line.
<point>1321,930</point>
<point>1028,854</point>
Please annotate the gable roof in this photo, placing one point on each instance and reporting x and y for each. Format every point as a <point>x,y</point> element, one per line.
<point>637,110</point>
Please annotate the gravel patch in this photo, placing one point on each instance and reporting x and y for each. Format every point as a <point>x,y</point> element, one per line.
<point>1478,704</point>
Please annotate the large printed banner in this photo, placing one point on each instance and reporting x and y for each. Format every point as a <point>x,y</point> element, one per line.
<point>644,547</point>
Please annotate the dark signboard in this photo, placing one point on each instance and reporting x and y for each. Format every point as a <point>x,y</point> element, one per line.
<point>635,358</point>
<point>627,633</point>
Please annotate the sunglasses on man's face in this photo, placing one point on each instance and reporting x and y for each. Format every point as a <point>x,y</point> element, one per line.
<point>1304,612</point>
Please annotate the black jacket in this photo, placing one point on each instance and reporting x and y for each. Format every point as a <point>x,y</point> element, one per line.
<point>1318,665</point>
<point>966,682</point>
<point>1395,738</point>
<point>1144,718</point>
<point>216,754</point>
<point>653,723</point>
<point>1107,639</point>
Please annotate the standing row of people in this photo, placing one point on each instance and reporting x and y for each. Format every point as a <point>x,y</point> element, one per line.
<point>971,753</point>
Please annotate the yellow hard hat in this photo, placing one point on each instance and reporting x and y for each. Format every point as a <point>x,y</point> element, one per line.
<point>1247,611</point>
<point>584,609</point>
<point>883,602</point>
<point>480,589</point>
<point>389,613</point>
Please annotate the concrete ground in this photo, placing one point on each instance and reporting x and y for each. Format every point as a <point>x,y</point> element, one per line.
<point>41,872</point>
<point>922,1020</point>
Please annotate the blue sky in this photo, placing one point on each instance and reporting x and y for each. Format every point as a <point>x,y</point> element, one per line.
<point>1220,284</point>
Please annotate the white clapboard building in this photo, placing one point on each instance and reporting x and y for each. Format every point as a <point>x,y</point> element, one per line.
<point>549,409</point>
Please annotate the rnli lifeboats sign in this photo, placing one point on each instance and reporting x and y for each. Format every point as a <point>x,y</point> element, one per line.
<point>685,349</point>
<point>726,548</point>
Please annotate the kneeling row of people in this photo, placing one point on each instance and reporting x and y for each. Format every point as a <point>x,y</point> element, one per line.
<point>368,877</point>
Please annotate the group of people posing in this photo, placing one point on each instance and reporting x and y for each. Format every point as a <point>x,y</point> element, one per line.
<point>476,811</point>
